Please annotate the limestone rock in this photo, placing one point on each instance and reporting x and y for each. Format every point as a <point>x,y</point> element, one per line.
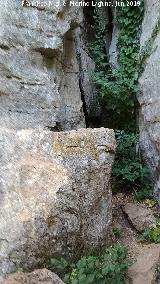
<point>40,276</point>
<point>113,50</point>
<point>55,197</point>
<point>39,84</point>
<point>144,270</point>
<point>149,97</point>
<point>87,66</point>
<point>140,216</point>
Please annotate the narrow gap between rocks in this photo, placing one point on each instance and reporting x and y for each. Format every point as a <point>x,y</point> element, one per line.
<point>101,117</point>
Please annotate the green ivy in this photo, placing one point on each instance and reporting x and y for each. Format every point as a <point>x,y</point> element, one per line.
<point>109,267</point>
<point>129,21</point>
<point>117,92</point>
<point>118,88</point>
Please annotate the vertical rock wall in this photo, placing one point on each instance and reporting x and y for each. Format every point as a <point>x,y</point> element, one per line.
<point>149,99</point>
<point>39,84</point>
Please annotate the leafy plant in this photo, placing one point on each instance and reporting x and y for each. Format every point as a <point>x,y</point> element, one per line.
<point>118,87</point>
<point>128,171</point>
<point>109,267</point>
<point>150,202</point>
<point>117,90</point>
<point>145,193</point>
<point>152,233</point>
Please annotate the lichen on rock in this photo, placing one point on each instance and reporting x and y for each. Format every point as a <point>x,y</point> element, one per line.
<point>55,197</point>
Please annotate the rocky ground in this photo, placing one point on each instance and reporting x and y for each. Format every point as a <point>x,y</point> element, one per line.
<point>130,218</point>
<point>127,230</point>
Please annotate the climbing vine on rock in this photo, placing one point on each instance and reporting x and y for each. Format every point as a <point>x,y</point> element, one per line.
<point>129,20</point>
<point>118,88</point>
<point>117,92</point>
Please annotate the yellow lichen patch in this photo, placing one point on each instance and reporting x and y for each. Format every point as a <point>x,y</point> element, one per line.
<point>74,145</point>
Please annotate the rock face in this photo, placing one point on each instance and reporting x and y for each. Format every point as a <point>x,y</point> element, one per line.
<point>149,99</point>
<point>55,197</point>
<point>113,49</point>
<point>86,67</point>
<point>39,84</point>
<point>40,276</point>
<point>144,270</point>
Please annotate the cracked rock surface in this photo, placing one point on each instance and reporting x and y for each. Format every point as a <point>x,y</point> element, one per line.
<point>149,97</point>
<point>55,197</point>
<point>39,84</point>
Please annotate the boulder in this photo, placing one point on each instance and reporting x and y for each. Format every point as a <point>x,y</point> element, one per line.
<point>144,270</point>
<point>39,276</point>
<point>140,216</point>
<point>55,197</point>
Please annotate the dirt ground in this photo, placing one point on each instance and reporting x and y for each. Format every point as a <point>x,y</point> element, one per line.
<point>123,231</point>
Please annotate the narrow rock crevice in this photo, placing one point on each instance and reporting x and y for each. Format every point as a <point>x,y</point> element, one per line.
<point>95,114</point>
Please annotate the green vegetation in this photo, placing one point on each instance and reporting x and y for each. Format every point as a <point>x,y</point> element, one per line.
<point>118,88</point>
<point>117,92</point>
<point>109,267</point>
<point>150,202</point>
<point>128,171</point>
<point>152,233</point>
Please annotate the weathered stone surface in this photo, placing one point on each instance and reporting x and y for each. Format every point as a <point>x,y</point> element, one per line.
<point>144,270</point>
<point>149,98</point>
<point>39,276</point>
<point>113,49</point>
<point>86,67</point>
<point>39,84</point>
<point>140,216</point>
<point>55,197</point>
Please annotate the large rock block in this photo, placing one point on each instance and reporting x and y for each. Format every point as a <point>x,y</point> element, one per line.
<point>149,98</point>
<point>39,84</point>
<point>55,197</point>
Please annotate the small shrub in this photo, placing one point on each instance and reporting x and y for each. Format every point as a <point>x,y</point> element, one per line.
<point>152,234</point>
<point>150,202</point>
<point>110,267</point>
<point>145,193</point>
<point>128,170</point>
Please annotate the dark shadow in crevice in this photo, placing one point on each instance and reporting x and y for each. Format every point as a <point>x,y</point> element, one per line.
<point>88,33</point>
